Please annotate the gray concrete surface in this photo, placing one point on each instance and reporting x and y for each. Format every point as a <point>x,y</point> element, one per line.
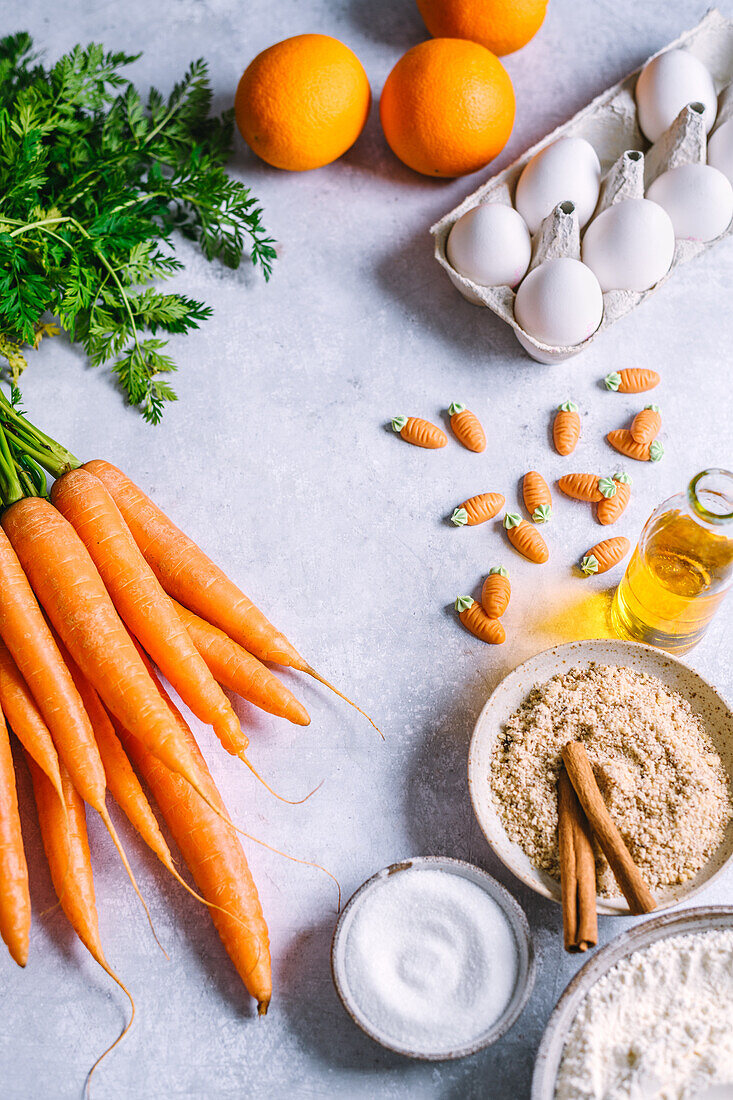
<point>276,459</point>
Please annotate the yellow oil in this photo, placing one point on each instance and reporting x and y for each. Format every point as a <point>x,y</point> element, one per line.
<point>673,584</point>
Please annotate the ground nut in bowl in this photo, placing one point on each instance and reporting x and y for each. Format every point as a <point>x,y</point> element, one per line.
<point>432,958</point>
<point>649,1015</point>
<point>661,742</point>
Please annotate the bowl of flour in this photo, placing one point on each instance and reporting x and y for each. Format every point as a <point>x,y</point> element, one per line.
<point>650,1015</point>
<point>660,740</point>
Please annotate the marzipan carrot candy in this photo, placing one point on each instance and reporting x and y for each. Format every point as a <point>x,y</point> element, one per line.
<point>632,380</point>
<point>477,509</point>
<point>604,555</point>
<point>77,603</point>
<point>15,899</point>
<point>65,841</point>
<point>26,720</point>
<point>475,620</point>
<point>421,433</point>
<point>646,425</point>
<point>623,442</point>
<point>191,578</point>
<point>142,604</point>
<point>525,538</point>
<point>496,592</point>
<point>214,855</point>
<point>585,487</point>
<point>467,428</point>
<point>238,671</point>
<point>566,428</point>
<point>611,508</point>
<point>537,496</point>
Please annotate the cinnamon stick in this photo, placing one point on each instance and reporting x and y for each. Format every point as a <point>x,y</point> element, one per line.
<point>577,870</point>
<point>625,871</point>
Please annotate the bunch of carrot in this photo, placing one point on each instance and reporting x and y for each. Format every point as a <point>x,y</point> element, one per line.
<point>96,586</point>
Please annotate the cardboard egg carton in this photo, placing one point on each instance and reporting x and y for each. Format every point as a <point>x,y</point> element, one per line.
<point>629,164</point>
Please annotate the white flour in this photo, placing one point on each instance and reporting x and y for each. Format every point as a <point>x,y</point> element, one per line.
<point>659,1024</point>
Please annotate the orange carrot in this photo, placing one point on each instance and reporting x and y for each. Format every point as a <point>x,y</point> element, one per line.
<point>632,380</point>
<point>239,671</point>
<point>26,719</point>
<point>191,578</point>
<point>65,841</point>
<point>26,634</point>
<point>421,433</point>
<point>78,605</point>
<point>525,538</point>
<point>15,899</point>
<point>477,509</point>
<point>566,428</point>
<point>582,487</point>
<point>467,428</point>
<point>215,858</point>
<point>622,440</point>
<point>537,496</point>
<point>496,592</point>
<point>30,641</point>
<point>604,555</point>
<point>611,508</point>
<point>142,604</point>
<point>475,620</point>
<point>646,425</point>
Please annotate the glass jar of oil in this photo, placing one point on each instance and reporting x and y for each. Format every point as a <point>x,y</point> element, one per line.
<point>682,567</point>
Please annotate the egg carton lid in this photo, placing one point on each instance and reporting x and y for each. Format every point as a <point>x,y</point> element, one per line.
<point>610,124</point>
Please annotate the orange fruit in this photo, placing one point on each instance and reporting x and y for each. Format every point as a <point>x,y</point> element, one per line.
<point>447,107</point>
<point>502,26</point>
<point>303,102</point>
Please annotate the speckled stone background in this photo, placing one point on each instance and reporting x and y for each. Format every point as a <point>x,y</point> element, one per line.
<point>277,460</point>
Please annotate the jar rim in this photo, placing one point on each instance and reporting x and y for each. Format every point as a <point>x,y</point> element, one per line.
<point>717,518</point>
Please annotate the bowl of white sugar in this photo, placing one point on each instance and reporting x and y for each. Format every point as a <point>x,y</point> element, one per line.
<point>649,1015</point>
<point>432,958</point>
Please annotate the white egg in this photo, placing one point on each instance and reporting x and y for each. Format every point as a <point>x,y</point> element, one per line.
<point>567,169</point>
<point>559,303</point>
<point>490,245</point>
<point>668,83</point>
<point>720,149</point>
<point>630,245</point>
<point>698,199</point>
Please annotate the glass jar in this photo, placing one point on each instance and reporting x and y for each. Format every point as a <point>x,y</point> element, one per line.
<point>682,567</point>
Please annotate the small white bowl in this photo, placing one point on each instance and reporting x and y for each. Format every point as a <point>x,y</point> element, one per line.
<point>509,696</point>
<point>549,1055</point>
<point>517,922</point>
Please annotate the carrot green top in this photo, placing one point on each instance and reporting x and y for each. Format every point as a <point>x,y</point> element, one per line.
<point>398,423</point>
<point>622,477</point>
<point>463,603</point>
<point>25,452</point>
<point>607,487</point>
<point>459,517</point>
<point>456,408</point>
<point>613,380</point>
<point>568,407</point>
<point>498,569</point>
<point>589,565</point>
<point>656,451</point>
<point>512,519</point>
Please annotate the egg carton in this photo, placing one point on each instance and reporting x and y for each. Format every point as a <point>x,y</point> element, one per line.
<point>629,164</point>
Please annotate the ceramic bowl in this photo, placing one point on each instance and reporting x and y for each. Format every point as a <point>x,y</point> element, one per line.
<point>517,922</point>
<point>510,694</point>
<point>549,1055</point>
